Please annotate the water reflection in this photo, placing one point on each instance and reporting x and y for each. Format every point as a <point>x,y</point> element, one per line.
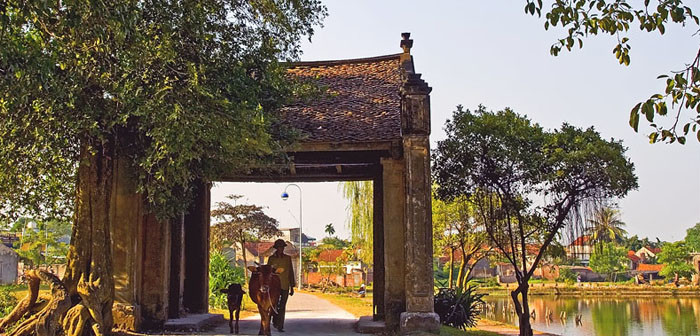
<point>605,316</point>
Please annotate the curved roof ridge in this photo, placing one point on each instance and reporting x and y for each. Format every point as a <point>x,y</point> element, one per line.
<point>345,61</point>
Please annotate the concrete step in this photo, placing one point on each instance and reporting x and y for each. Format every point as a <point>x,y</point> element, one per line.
<point>368,326</point>
<point>193,322</point>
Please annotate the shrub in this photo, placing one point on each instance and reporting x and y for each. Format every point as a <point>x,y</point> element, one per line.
<point>8,301</point>
<point>458,307</point>
<point>566,275</point>
<point>222,274</point>
<point>486,282</point>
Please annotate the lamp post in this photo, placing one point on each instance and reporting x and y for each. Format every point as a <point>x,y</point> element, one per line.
<point>285,196</point>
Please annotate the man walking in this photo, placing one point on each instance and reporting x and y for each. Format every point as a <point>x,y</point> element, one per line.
<point>283,261</point>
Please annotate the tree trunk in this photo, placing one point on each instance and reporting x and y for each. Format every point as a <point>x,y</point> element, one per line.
<point>82,301</point>
<point>522,308</point>
<point>462,268</point>
<point>245,259</point>
<point>452,267</point>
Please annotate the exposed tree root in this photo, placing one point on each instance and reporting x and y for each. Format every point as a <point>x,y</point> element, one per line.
<point>47,321</point>
<point>27,303</point>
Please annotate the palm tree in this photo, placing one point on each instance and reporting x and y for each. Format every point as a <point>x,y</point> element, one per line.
<point>606,226</point>
<point>330,230</point>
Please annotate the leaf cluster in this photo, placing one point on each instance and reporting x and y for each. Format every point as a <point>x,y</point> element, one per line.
<point>184,90</point>
<point>458,307</point>
<point>221,275</point>
<point>675,257</point>
<point>46,244</point>
<point>583,18</point>
<point>608,259</point>
<point>692,238</point>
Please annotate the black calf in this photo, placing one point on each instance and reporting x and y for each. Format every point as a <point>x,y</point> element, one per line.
<point>234,296</point>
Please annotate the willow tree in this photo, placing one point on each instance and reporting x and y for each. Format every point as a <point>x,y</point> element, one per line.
<point>176,90</point>
<point>527,184</point>
<point>360,197</point>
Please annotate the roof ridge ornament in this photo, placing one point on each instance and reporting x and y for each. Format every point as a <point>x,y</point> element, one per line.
<point>406,42</point>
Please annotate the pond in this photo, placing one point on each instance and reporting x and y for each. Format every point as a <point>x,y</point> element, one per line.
<point>627,316</point>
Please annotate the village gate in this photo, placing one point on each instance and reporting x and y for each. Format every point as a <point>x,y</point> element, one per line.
<point>371,123</point>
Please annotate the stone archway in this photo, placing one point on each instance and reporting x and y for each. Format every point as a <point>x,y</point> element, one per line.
<point>372,123</point>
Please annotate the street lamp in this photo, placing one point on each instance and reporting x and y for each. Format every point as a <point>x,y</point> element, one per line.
<point>285,196</point>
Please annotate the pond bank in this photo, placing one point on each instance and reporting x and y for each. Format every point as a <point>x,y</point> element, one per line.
<point>501,328</point>
<point>594,289</point>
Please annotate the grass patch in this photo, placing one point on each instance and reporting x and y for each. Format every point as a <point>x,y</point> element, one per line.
<point>356,306</point>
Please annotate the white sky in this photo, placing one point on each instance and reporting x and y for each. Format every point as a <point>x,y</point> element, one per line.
<point>492,53</point>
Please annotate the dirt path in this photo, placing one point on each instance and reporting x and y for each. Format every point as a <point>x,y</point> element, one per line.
<point>306,315</point>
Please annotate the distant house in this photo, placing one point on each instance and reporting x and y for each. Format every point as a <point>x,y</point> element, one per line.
<point>352,273</point>
<point>647,254</point>
<point>9,238</point>
<point>9,260</point>
<point>580,250</point>
<point>649,271</point>
<point>292,235</point>
<point>633,260</point>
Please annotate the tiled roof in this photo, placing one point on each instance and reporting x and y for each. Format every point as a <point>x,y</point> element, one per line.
<point>329,255</point>
<point>632,256</point>
<point>650,267</point>
<point>360,100</point>
<point>654,250</point>
<point>258,247</point>
<point>581,241</point>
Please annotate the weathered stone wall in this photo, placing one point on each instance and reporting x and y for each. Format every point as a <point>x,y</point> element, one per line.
<point>394,241</point>
<point>127,253</point>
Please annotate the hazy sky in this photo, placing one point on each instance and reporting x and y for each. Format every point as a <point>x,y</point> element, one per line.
<point>492,53</point>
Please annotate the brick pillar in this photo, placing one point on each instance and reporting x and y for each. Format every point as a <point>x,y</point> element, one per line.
<point>415,129</point>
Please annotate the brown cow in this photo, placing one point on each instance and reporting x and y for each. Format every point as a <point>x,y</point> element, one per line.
<point>234,296</point>
<point>265,291</point>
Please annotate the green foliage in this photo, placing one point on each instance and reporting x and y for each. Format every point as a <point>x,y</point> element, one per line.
<point>675,257</point>
<point>221,275</point>
<point>681,92</point>
<point>333,243</point>
<point>485,282</point>
<point>505,160</point>
<point>566,275</point>
<point>360,196</point>
<point>458,307</point>
<point>456,225</point>
<point>8,300</point>
<point>527,184</point>
<point>46,244</point>
<point>692,238</point>
<point>608,259</point>
<point>182,90</point>
<point>634,243</point>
